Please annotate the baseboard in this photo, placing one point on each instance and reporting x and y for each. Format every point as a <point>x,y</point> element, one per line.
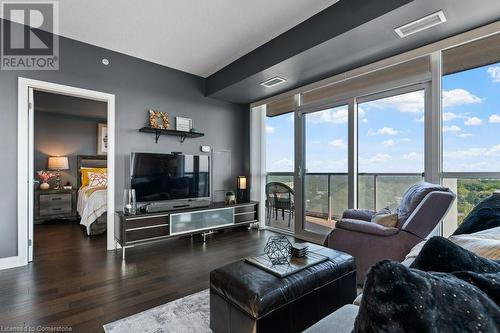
<point>11,262</point>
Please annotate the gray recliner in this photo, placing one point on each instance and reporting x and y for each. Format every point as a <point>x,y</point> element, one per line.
<point>422,207</point>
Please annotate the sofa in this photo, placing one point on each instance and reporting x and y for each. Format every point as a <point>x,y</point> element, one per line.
<point>485,243</point>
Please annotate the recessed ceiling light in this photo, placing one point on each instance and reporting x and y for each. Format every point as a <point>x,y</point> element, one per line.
<point>421,24</point>
<point>105,61</point>
<point>273,82</point>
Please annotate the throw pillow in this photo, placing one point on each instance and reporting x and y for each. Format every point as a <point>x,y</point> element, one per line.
<point>97,179</point>
<point>399,299</point>
<point>441,255</point>
<point>485,215</point>
<point>85,174</point>
<point>385,218</point>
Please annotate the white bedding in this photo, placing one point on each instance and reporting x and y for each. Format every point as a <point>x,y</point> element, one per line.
<point>91,207</point>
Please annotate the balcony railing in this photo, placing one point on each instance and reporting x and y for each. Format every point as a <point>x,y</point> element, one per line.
<point>326,193</point>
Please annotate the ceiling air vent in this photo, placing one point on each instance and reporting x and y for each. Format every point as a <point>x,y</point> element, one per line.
<point>421,24</point>
<point>273,82</point>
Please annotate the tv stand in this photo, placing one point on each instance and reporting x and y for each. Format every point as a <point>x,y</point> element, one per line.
<point>144,228</point>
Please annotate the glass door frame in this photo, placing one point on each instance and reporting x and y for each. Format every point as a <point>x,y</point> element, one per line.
<point>352,173</point>
<point>300,161</point>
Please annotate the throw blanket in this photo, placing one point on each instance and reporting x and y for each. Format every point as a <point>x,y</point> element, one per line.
<point>443,281</point>
<point>92,203</point>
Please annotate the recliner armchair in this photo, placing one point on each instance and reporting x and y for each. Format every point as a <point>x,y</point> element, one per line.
<point>422,207</point>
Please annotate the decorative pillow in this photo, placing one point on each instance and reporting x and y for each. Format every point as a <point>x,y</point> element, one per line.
<point>441,255</point>
<point>485,215</point>
<point>385,218</point>
<point>399,299</point>
<point>97,179</point>
<point>85,174</point>
<point>484,243</point>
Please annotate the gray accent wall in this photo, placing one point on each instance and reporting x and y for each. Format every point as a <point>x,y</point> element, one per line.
<point>63,135</point>
<point>138,86</point>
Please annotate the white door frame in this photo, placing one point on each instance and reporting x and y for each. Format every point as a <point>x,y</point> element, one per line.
<point>25,159</point>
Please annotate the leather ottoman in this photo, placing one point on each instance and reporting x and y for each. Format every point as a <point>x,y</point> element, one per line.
<point>245,298</point>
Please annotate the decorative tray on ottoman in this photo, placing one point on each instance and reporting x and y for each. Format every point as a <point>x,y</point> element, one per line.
<point>284,270</point>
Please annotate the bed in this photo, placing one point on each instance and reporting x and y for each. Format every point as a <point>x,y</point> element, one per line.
<point>92,201</point>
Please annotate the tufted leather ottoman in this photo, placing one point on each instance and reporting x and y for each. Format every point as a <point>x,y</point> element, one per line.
<point>244,298</point>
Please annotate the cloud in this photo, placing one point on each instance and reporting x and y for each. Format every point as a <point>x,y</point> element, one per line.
<point>420,120</point>
<point>283,163</point>
<point>336,116</point>
<point>339,144</point>
<point>413,156</point>
<point>473,121</point>
<point>453,128</point>
<point>492,151</point>
<point>408,103</point>
<point>269,129</point>
<point>494,73</point>
<point>383,131</point>
<point>389,143</point>
<point>458,97</point>
<point>494,119</point>
<point>380,158</point>
<point>393,142</point>
<point>464,135</point>
<point>447,116</point>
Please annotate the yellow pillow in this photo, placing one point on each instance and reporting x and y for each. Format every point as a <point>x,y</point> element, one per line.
<point>85,174</point>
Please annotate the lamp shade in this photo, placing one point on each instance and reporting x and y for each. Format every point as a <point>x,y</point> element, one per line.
<point>58,163</point>
<point>242,182</point>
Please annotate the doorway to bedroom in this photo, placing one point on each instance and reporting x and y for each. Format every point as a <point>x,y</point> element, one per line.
<point>70,166</point>
<point>65,170</point>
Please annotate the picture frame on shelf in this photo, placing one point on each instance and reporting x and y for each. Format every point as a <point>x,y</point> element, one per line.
<point>183,124</point>
<point>159,119</point>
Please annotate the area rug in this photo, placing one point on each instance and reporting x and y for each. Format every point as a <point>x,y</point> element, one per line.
<point>187,314</point>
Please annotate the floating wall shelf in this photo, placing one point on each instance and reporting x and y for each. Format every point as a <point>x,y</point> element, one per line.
<point>181,134</point>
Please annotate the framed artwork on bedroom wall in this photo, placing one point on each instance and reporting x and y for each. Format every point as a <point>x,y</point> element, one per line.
<point>102,139</point>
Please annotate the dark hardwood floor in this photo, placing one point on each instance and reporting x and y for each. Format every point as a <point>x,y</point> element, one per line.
<point>75,282</point>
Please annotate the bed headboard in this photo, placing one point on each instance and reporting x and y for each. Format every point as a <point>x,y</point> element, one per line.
<point>89,161</point>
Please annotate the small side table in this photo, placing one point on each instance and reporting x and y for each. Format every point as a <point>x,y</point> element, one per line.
<point>55,204</point>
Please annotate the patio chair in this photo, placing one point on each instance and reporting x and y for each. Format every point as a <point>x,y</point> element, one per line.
<point>279,196</point>
<point>423,206</point>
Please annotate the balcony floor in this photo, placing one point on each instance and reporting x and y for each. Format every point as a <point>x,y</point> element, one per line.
<point>313,224</point>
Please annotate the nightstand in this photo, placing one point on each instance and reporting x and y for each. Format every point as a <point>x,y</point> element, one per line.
<point>55,204</point>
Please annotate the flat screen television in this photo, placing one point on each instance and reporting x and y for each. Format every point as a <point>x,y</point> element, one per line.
<point>166,177</point>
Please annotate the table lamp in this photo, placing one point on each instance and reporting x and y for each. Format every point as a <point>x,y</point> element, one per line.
<point>242,187</point>
<point>58,163</point>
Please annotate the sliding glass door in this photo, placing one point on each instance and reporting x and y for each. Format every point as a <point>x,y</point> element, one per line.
<point>325,178</point>
<point>390,146</point>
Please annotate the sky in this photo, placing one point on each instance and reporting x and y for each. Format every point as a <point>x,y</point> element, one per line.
<point>391,131</point>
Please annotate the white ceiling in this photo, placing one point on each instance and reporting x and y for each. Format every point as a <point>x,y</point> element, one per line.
<point>195,36</point>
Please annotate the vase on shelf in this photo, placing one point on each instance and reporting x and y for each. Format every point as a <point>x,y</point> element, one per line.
<point>129,203</point>
<point>44,186</point>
